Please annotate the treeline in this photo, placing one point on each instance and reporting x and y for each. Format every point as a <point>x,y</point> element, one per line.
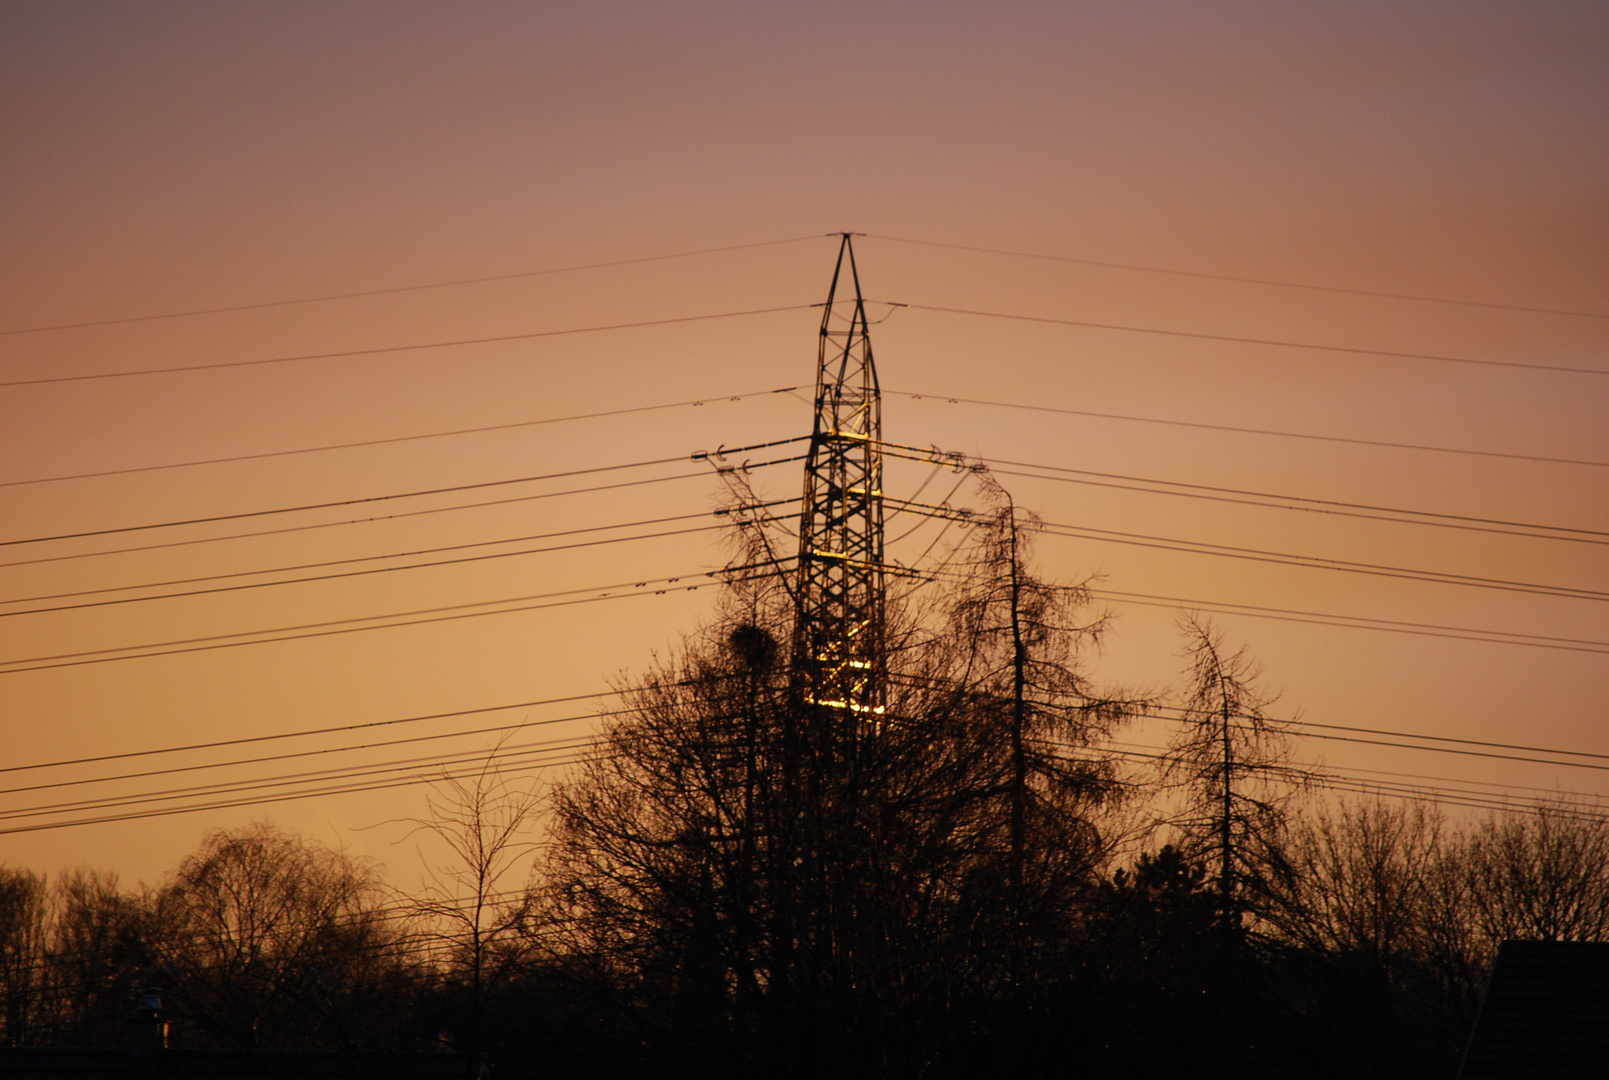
<point>741,882</point>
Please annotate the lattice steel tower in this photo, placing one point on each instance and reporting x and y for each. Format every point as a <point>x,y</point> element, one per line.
<point>838,645</point>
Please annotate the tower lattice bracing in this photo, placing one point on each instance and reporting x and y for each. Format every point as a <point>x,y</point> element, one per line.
<point>838,648</point>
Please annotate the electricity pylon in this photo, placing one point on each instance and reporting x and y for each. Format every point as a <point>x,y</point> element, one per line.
<point>838,646</point>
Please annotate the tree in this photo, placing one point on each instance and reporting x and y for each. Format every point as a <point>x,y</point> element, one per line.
<point>1229,760</point>
<point>1359,881</point>
<point>1016,647</point>
<point>784,885</point>
<point>96,957</point>
<point>1360,914</point>
<point>22,955</point>
<point>1147,968</point>
<point>1542,873</point>
<point>467,904</point>
<point>261,939</point>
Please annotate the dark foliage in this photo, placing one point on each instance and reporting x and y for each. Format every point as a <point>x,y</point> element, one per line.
<point>739,883</point>
<point>261,940</point>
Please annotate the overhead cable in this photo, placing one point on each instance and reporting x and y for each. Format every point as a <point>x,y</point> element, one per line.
<point>539,759</point>
<point>419,617</point>
<point>1314,562</point>
<point>369,572</point>
<point>1449,739</point>
<point>339,788</point>
<point>1275,343</point>
<point>1380,294</point>
<point>304,733</point>
<point>700,475</point>
<point>412,347</point>
<point>1489,749</point>
<point>253,784</point>
<point>1315,618</point>
<point>476,486</point>
<point>395,289</point>
<point>395,439</point>
<point>1393,734</point>
<point>1358,622</point>
<point>1385,444</point>
<point>323,751</point>
<point>1312,505</point>
<point>374,558</point>
<point>1267,342</point>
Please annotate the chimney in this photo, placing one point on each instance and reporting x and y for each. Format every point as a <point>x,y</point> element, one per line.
<point>150,1028</point>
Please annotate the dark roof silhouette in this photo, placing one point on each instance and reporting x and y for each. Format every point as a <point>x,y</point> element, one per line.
<point>1545,1014</point>
<point>60,1062</point>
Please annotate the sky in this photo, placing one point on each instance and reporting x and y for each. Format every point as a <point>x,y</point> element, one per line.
<point>1206,184</point>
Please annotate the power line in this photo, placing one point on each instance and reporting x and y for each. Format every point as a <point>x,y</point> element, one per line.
<point>1364,787</point>
<point>339,772</point>
<point>1253,554</point>
<point>485,279</point>
<point>1449,739</point>
<point>575,718</point>
<point>303,733</point>
<point>1334,780</point>
<point>1360,622</point>
<point>315,630</point>
<point>1214,493</point>
<point>264,783</point>
<point>700,475</point>
<point>1335,512</point>
<point>1438,796</point>
<point>1320,506</point>
<point>1476,784</point>
<point>365,573</point>
<point>417,346</point>
<point>394,783</point>
<point>340,502</point>
<point>292,633</point>
<point>393,439</point>
<point>591,716</point>
<point>208,642</point>
<point>1488,751</point>
<point>372,558</point>
<point>384,498</point>
<point>1313,562</point>
<point>1316,618</point>
<point>1443,795</point>
<point>1526,748</point>
<point>1236,339</point>
<point>264,801</point>
<point>1247,280</point>
<point>1248,430</point>
<point>1338,780</point>
<point>320,752</point>
<point>1181,714</point>
<point>356,559</point>
<point>526,758</point>
<point>348,773</point>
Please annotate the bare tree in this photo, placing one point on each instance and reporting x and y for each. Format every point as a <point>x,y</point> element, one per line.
<point>1230,760</point>
<point>262,939</point>
<point>22,955</point>
<point>1541,872</point>
<point>96,955</point>
<point>1362,879</point>
<point>474,901</point>
<point>1017,649</point>
<point>767,873</point>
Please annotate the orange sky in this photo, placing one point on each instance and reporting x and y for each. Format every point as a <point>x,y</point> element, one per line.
<point>172,157</point>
